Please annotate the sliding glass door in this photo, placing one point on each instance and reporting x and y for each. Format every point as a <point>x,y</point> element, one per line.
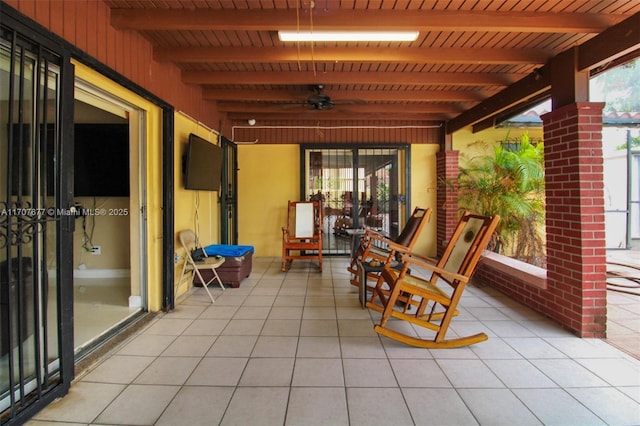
<point>36,351</point>
<point>359,187</point>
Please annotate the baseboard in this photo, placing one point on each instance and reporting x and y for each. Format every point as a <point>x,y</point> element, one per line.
<point>95,273</point>
<point>101,273</point>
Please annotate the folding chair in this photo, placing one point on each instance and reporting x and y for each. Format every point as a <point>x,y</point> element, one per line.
<point>436,306</point>
<point>302,236</point>
<point>189,241</point>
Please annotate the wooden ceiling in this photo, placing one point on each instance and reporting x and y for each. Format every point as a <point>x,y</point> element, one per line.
<point>467,52</point>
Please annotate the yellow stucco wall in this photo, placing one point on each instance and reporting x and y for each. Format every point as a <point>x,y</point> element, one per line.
<point>269,177</point>
<point>472,144</point>
<point>198,211</point>
<point>423,193</point>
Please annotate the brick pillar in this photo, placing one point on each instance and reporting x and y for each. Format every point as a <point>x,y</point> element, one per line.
<point>446,198</point>
<point>576,254</point>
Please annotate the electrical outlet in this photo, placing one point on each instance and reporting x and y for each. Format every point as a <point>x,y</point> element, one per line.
<point>95,250</point>
<point>176,258</point>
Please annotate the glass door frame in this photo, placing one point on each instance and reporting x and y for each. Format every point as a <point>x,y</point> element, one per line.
<point>229,193</point>
<point>26,398</point>
<point>403,199</point>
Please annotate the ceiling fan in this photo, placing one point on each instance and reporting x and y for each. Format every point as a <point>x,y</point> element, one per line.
<point>319,100</point>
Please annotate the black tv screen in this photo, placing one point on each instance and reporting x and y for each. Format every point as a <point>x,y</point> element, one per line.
<point>101,160</point>
<point>203,165</point>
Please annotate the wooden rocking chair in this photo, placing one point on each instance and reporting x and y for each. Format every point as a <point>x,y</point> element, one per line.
<point>399,290</point>
<point>373,250</point>
<point>302,236</point>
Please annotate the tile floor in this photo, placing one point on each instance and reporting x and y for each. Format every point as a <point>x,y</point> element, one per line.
<point>296,349</point>
<point>623,308</point>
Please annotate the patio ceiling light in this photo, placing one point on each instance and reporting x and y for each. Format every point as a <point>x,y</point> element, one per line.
<point>348,35</point>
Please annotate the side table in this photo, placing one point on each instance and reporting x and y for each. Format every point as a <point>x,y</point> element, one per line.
<point>365,269</point>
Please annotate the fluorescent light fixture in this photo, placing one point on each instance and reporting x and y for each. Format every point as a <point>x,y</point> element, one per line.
<point>348,35</point>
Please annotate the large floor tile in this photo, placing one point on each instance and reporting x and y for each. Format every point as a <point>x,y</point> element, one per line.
<point>621,372</point>
<point>243,328</point>
<point>233,346</point>
<point>275,347</point>
<point>356,328</point>
<point>534,348</point>
<point>557,407</point>
<point>317,406</point>
<point>268,372</point>
<point>610,404</point>
<point>197,406</point>
<point>362,347</point>
<point>316,372</point>
<point>168,325</point>
<point>516,374</point>
<point>281,327</point>
<point>497,407</point>
<point>194,346</point>
<point>363,412</point>
<point>84,402</point>
<point>374,373</point>
<point>138,405</point>
<point>217,372</point>
<point>469,374</point>
<point>118,369</point>
<point>319,328</point>
<point>146,345</point>
<point>265,406</point>
<point>437,407</point>
<point>419,373</point>
<point>568,373</point>
<point>206,327</point>
<point>168,371</point>
<point>318,347</point>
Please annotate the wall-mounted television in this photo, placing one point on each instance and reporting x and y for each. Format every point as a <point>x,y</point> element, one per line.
<point>101,160</point>
<point>202,165</point>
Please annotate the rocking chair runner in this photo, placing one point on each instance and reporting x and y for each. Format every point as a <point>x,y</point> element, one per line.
<point>373,249</point>
<point>303,233</point>
<point>455,268</point>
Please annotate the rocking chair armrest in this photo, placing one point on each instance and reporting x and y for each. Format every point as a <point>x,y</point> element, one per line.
<point>380,238</point>
<point>372,233</point>
<point>405,250</point>
<point>427,263</point>
<point>368,238</point>
<point>398,248</point>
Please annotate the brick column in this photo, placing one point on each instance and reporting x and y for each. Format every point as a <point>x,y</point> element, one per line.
<point>576,254</point>
<point>446,198</point>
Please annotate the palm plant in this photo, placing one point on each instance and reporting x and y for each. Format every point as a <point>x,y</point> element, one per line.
<point>509,183</point>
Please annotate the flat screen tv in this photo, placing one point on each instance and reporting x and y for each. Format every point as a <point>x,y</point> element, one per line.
<point>101,160</point>
<point>203,165</point>
<point>100,163</point>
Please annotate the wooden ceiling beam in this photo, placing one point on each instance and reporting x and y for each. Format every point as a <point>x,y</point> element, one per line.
<point>332,115</point>
<point>421,20</point>
<point>310,78</point>
<point>259,95</point>
<point>614,42</point>
<point>345,54</point>
<point>505,115</point>
<point>528,87</point>
<point>252,107</point>
<point>611,44</point>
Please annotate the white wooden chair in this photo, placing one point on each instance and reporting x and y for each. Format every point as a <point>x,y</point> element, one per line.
<point>302,236</point>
